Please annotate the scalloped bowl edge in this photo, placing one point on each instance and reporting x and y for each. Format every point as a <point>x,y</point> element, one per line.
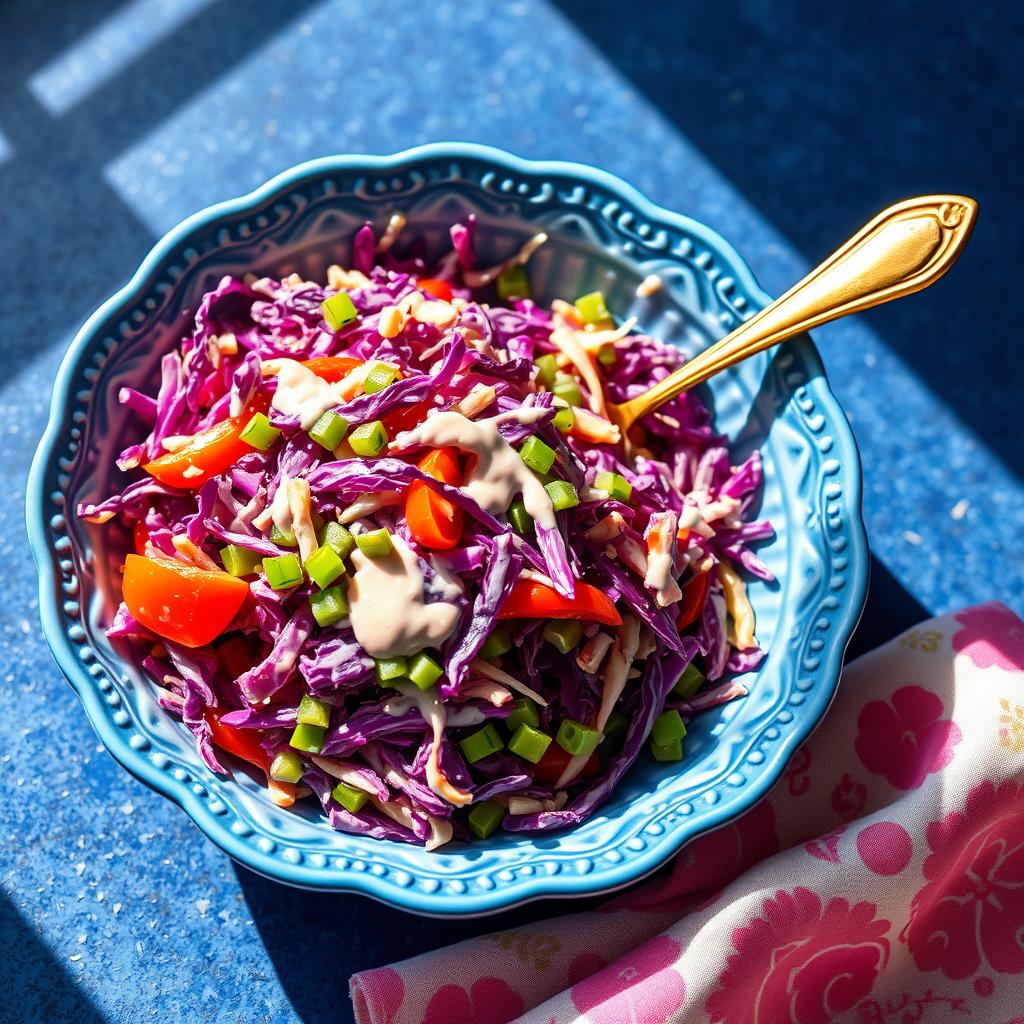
<point>439,903</point>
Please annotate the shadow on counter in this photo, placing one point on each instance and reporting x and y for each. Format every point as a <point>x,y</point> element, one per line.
<point>777,104</point>
<point>33,986</point>
<point>317,940</point>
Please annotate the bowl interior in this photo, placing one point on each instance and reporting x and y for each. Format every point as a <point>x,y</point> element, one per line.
<point>598,240</point>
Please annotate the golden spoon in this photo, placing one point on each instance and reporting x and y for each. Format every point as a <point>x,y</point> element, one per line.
<point>904,249</point>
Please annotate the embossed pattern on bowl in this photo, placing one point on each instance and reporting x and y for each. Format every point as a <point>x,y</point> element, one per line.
<point>603,235</point>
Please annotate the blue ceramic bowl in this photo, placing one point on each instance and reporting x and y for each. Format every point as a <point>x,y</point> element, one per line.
<point>605,236</point>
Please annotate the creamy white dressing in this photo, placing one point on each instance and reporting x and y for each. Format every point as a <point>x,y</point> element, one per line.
<point>387,609</point>
<point>302,521</point>
<point>497,675</point>
<point>660,578</point>
<point>367,504</point>
<point>660,574</point>
<point>300,392</point>
<point>525,415</point>
<point>498,474</point>
<point>434,714</point>
<point>444,584</point>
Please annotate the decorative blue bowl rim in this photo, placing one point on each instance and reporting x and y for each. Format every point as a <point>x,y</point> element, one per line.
<point>497,880</point>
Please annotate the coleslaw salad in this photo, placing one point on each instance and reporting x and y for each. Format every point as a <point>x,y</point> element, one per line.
<point>390,552</point>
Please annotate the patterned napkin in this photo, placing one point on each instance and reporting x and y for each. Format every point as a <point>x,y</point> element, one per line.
<point>881,880</point>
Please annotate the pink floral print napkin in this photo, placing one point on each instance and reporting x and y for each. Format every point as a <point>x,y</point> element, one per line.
<point>881,881</point>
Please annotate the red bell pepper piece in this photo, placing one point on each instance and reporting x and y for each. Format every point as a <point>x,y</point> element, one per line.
<point>406,417</point>
<point>433,520</point>
<point>236,655</point>
<point>530,599</point>
<point>181,602</point>
<point>245,745</point>
<point>140,537</point>
<point>332,368</point>
<point>691,604</point>
<point>436,287</point>
<point>209,452</point>
<point>554,760</point>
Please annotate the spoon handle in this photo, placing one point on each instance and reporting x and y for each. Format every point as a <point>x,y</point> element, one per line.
<point>904,249</point>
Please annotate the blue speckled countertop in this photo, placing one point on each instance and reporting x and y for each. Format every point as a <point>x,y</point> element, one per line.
<point>116,120</point>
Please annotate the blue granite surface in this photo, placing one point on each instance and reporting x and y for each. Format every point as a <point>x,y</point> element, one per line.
<point>117,120</point>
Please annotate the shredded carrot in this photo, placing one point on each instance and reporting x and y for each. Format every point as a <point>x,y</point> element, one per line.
<point>591,427</point>
<point>368,504</point>
<point>339,278</point>
<point>606,529</point>
<point>737,604</point>
<point>620,661</point>
<point>493,693</point>
<point>492,672</point>
<point>479,397</point>
<point>191,553</point>
<point>589,659</point>
<point>569,342</point>
<point>661,556</point>
<point>302,521</point>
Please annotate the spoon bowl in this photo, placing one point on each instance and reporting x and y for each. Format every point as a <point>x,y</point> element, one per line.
<point>907,247</point>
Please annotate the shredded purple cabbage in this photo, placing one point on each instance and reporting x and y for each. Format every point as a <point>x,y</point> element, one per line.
<point>281,665</point>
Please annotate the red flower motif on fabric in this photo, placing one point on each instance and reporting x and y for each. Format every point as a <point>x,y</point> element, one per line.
<point>971,910</point>
<point>991,635</point>
<point>906,738</point>
<point>849,798</point>
<point>705,865</point>
<point>906,1008</point>
<point>797,779</point>
<point>885,847</point>
<point>827,846</point>
<point>799,963</point>
<point>488,1001</point>
<point>640,987</point>
<point>385,988</point>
